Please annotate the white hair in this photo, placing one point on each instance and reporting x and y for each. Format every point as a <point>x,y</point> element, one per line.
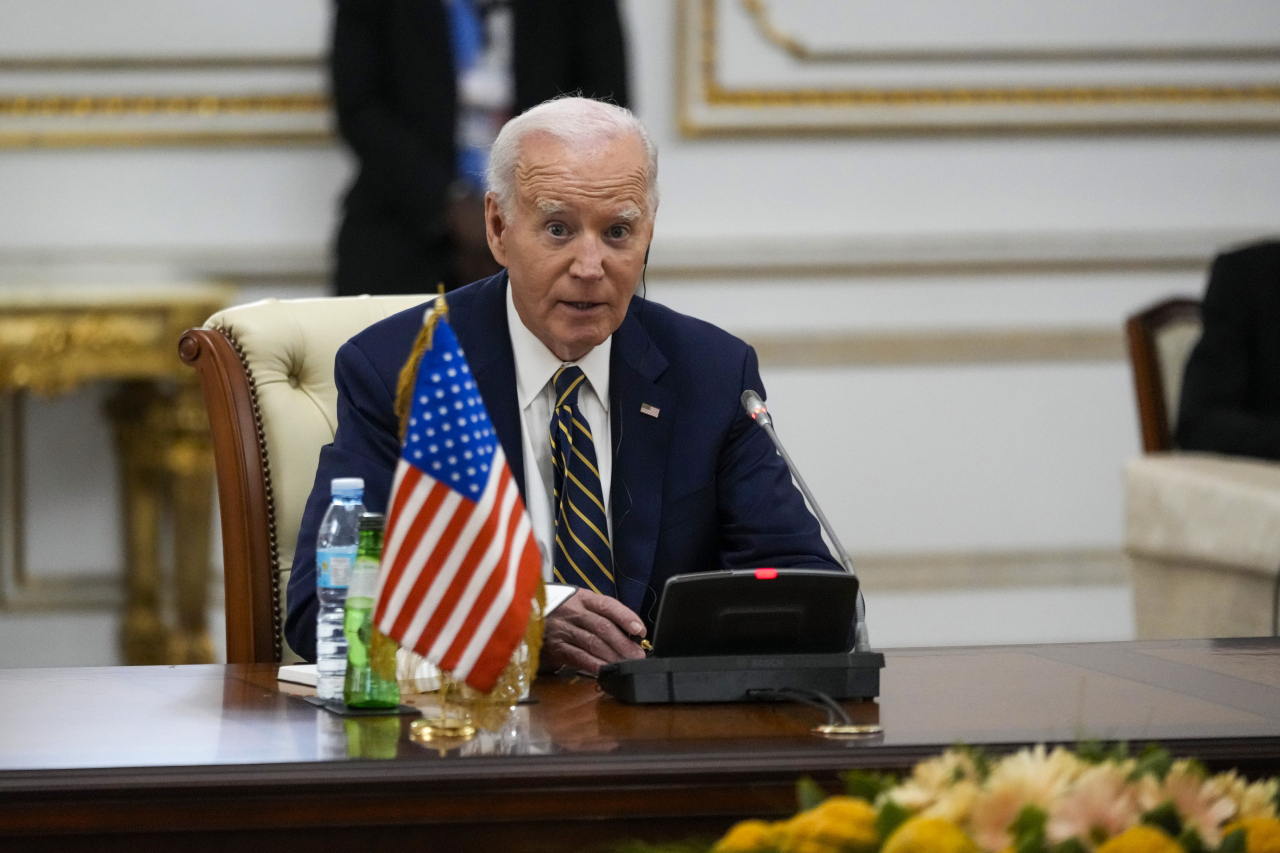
<point>574,121</point>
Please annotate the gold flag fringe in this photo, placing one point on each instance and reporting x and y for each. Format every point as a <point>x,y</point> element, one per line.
<point>409,373</point>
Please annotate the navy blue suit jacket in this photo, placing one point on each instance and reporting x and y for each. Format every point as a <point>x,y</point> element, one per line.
<point>698,488</point>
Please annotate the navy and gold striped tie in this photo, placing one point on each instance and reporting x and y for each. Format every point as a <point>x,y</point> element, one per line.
<point>583,557</point>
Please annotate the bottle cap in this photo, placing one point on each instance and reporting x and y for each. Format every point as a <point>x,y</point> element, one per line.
<point>372,521</point>
<point>346,484</point>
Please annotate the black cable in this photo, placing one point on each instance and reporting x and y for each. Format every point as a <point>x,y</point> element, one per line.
<point>1275,607</point>
<point>814,698</point>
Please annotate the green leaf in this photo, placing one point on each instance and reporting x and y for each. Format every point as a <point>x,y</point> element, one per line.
<point>868,784</point>
<point>1234,842</point>
<point>688,845</point>
<point>1100,752</point>
<point>1164,816</point>
<point>890,817</point>
<point>1154,761</point>
<point>809,793</point>
<point>1191,841</point>
<point>1071,845</point>
<point>981,762</point>
<point>1028,830</point>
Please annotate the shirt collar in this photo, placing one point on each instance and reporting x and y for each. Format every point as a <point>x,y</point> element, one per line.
<point>535,364</point>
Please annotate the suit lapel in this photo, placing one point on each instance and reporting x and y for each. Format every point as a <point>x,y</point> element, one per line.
<point>640,449</point>
<point>478,314</point>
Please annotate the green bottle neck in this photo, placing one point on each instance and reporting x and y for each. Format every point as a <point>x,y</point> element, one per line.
<point>370,544</point>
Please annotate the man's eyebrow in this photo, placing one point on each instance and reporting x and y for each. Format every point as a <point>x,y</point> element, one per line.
<point>547,207</point>
<point>630,213</point>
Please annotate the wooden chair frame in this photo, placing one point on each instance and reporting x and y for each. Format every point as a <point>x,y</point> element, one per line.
<point>250,559</point>
<point>1142,329</point>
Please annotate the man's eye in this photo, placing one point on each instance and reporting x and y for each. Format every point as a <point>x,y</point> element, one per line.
<point>555,229</point>
<point>617,232</point>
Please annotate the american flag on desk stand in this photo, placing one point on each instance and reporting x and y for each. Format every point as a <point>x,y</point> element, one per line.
<point>460,565</point>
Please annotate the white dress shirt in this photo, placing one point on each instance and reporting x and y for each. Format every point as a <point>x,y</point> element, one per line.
<point>535,367</point>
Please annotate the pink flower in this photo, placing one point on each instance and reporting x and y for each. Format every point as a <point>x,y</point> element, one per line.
<point>1100,805</point>
<point>1030,777</point>
<point>1203,804</point>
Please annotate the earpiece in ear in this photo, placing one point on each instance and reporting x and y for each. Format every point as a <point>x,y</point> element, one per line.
<point>646,253</point>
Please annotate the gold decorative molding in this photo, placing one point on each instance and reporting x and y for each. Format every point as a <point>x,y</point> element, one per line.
<point>999,346</point>
<point>147,105</point>
<point>763,22</point>
<point>49,348</point>
<point>242,103</point>
<point>53,340</point>
<point>164,139</point>
<point>708,108</point>
<point>158,63</point>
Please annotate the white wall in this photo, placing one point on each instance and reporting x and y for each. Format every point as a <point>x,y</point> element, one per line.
<point>911,458</point>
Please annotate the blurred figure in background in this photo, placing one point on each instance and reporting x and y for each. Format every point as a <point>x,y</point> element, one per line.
<point>1231,392</point>
<point>422,88</point>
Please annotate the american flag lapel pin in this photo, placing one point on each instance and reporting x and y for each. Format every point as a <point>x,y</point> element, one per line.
<point>650,410</point>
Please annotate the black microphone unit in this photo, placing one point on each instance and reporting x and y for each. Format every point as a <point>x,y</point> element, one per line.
<point>756,634</point>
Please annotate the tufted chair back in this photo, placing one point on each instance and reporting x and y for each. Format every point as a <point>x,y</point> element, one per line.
<point>1161,338</point>
<point>266,370</point>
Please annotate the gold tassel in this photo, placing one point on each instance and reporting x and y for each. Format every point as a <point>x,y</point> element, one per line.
<point>409,373</point>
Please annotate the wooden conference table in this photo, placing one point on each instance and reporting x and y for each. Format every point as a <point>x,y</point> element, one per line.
<point>195,758</point>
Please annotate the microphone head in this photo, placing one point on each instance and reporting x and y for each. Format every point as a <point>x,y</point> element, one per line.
<point>755,407</point>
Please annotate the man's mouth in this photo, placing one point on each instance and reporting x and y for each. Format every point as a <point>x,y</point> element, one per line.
<point>583,306</point>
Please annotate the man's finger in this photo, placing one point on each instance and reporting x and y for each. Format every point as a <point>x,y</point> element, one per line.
<point>608,641</point>
<point>566,644</point>
<point>615,611</point>
<point>593,633</point>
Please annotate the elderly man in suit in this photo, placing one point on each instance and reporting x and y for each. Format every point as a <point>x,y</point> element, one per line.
<point>620,418</point>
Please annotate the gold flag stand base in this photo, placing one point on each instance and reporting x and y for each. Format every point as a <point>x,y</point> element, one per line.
<point>432,729</point>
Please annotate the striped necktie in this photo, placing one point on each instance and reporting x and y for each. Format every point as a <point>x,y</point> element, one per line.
<point>583,557</point>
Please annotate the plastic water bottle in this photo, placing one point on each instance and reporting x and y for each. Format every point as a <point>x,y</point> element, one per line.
<point>336,548</point>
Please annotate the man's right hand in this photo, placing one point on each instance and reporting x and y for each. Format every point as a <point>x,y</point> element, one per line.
<point>590,630</point>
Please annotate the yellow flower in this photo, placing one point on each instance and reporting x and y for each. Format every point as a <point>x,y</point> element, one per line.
<point>933,778</point>
<point>1141,839</point>
<point>837,825</point>
<point>928,835</point>
<point>749,836</point>
<point>1261,834</point>
<point>1258,799</point>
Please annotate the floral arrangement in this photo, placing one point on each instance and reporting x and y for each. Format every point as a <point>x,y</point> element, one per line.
<point>1093,800</point>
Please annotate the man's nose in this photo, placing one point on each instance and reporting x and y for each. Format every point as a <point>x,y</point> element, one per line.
<point>588,260</point>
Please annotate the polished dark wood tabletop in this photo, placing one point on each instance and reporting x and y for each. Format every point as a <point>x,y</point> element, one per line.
<point>116,758</point>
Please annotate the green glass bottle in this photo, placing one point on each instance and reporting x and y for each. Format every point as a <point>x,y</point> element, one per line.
<point>371,657</point>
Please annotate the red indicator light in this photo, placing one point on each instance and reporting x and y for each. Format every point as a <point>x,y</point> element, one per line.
<point>766,574</point>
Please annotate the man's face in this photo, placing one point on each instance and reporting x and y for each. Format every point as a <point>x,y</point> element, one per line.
<point>575,241</point>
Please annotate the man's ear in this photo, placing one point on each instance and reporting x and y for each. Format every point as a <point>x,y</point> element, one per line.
<point>495,228</point>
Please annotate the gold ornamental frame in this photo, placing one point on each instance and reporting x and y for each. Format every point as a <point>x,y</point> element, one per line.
<point>707,107</point>
<point>154,114</point>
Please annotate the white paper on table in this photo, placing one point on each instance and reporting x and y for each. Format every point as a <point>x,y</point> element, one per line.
<point>298,673</point>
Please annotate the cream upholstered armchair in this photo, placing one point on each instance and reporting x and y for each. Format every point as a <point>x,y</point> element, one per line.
<point>266,370</point>
<point>1202,531</point>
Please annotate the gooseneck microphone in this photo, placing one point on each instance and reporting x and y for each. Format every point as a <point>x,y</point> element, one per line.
<point>756,409</point>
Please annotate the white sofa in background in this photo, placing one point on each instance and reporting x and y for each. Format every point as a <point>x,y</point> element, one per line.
<point>1203,534</point>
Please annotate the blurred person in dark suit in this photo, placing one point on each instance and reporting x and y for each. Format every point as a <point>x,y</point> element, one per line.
<point>422,88</point>
<point>1231,390</point>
